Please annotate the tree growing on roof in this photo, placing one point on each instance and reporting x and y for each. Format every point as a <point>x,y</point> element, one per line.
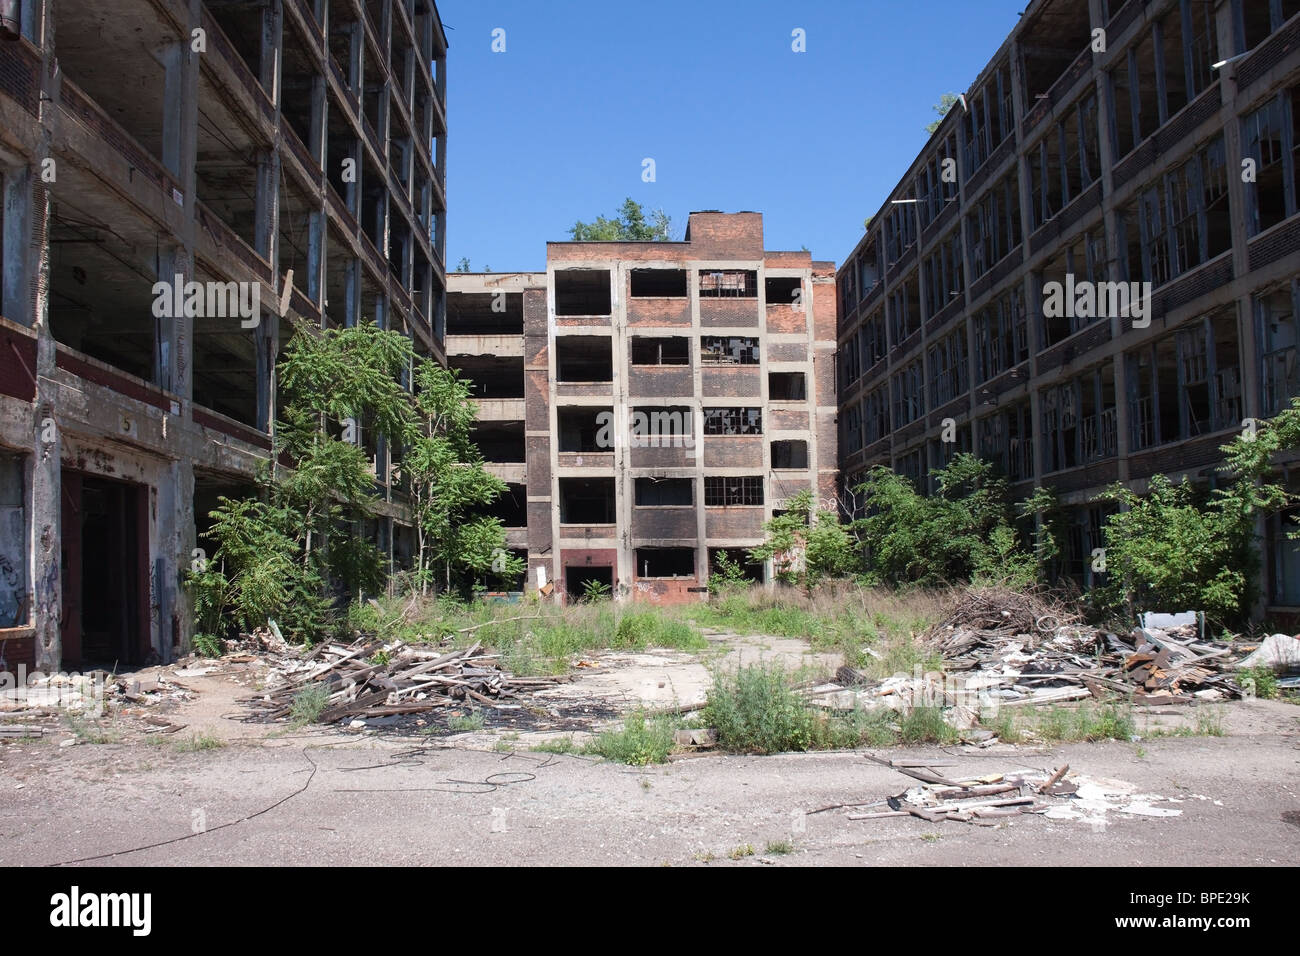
<point>632,223</point>
<point>946,102</point>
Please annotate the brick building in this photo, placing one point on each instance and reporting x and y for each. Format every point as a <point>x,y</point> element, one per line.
<point>1105,141</point>
<point>651,403</point>
<point>291,148</point>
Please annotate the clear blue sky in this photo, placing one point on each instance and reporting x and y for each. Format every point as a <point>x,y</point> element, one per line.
<point>555,128</point>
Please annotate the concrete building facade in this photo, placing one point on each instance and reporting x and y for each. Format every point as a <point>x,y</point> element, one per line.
<point>1106,142</point>
<point>654,402</point>
<point>284,155</point>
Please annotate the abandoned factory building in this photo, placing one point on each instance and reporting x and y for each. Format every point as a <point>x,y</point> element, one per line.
<point>289,149</point>
<point>650,404</point>
<point>1107,142</point>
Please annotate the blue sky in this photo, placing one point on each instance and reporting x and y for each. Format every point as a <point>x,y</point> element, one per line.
<point>555,128</point>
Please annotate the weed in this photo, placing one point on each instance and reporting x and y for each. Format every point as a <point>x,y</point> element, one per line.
<point>595,590</point>
<point>778,848</point>
<point>1209,721</point>
<point>1262,680</point>
<point>641,740</point>
<point>1087,722</point>
<point>309,703</point>
<point>380,659</point>
<point>930,837</point>
<point>207,645</point>
<point>742,851</point>
<point>466,723</point>
<point>556,745</point>
<point>1005,725</point>
<point>704,856</point>
<point>198,742</point>
<point>90,732</point>
<point>925,725</point>
<point>506,744</point>
<point>645,784</point>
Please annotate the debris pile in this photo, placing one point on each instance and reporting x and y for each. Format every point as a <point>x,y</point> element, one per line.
<point>988,799</point>
<point>370,678</point>
<point>1001,647</point>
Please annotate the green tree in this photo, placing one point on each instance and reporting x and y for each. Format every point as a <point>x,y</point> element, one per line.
<point>807,544</point>
<point>946,102</point>
<point>444,475</point>
<point>962,532</point>
<point>631,224</point>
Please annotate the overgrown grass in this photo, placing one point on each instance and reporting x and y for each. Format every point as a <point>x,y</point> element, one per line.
<point>531,638</point>
<point>1262,680</point>
<point>641,740</point>
<point>837,616</point>
<point>778,848</point>
<point>556,745</point>
<point>198,742</point>
<point>1058,724</point>
<point>925,725</point>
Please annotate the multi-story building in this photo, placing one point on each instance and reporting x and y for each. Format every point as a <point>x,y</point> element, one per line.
<point>651,404</point>
<point>1147,141</point>
<point>287,156</point>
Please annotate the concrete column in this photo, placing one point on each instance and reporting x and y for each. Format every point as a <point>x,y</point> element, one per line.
<point>47,486</point>
<point>266,340</point>
<point>319,120</point>
<point>272,43</point>
<point>266,223</point>
<point>175,60</point>
<point>352,285</point>
<point>316,230</point>
<point>172,371</point>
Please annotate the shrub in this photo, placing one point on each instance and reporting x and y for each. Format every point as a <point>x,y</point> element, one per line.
<point>641,740</point>
<point>309,703</point>
<point>754,710</point>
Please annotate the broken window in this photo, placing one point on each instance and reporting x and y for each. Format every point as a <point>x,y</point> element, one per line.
<point>868,270</point>
<point>786,387</point>
<point>993,226</point>
<point>874,343</point>
<point>936,184</point>
<point>499,441</point>
<point>850,362</point>
<point>582,292</point>
<point>1255,20</point>
<point>583,358</point>
<point>848,291</point>
<point>941,272</point>
<point>790,454</point>
<point>900,228</point>
<point>851,429</point>
<point>908,394</point>
<point>658,283</point>
<point>733,421</point>
<point>584,429</point>
<point>728,284</point>
<point>1001,335</point>
<point>783,290</point>
<point>904,309</point>
<point>1275,313</point>
<point>875,414</point>
<point>911,466</point>
<point>728,350</point>
<point>1079,420</point>
<point>948,369</point>
<point>13,543</point>
<point>665,562</point>
<point>725,492</point>
<point>661,492</point>
<point>1182,218</point>
<point>660,350</point>
<point>587,501</point>
<point>1272,196</point>
<point>1006,439</point>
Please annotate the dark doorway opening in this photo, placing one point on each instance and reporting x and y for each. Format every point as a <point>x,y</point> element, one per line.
<point>105,555</point>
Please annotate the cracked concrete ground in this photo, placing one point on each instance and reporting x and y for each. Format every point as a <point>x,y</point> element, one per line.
<point>330,798</point>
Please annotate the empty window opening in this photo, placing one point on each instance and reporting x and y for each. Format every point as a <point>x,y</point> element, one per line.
<point>587,501</point>
<point>584,358</point>
<point>728,284</point>
<point>728,350</point>
<point>491,376</point>
<point>582,292</point>
<point>739,558</point>
<point>786,387</point>
<point>581,581</point>
<point>733,421</point>
<point>660,350</point>
<point>1044,63</point>
<point>1276,314</point>
<point>790,454</point>
<point>783,291</point>
<point>665,562</point>
<point>500,441</point>
<point>658,283</point>
<point>510,507</point>
<point>726,492</point>
<point>485,313</point>
<point>585,429</point>
<point>660,492</point>
<point>904,308</point>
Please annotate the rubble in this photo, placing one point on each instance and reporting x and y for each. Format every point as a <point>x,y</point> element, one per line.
<point>370,678</point>
<point>1001,647</point>
<point>989,799</point>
